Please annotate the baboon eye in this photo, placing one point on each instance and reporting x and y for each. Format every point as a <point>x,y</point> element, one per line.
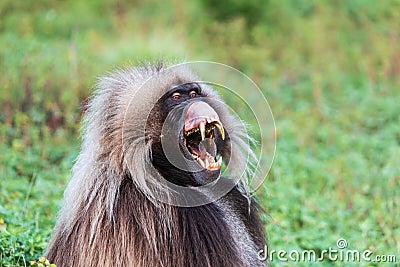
<point>192,94</point>
<point>176,96</point>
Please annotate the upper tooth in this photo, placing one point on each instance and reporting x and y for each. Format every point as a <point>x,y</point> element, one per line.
<point>221,130</point>
<point>203,130</point>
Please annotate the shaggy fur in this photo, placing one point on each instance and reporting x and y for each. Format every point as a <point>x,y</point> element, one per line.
<point>111,215</point>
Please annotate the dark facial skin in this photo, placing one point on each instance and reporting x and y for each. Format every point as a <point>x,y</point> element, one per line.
<point>179,94</point>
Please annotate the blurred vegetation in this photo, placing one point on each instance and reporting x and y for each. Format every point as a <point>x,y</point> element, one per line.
<point>329,69</point>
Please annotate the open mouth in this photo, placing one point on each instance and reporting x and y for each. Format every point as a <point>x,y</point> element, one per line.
<point>202,127</point>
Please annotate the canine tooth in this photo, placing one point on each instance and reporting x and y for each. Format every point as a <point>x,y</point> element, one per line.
<point>220,160</point>
<point>221,130</point>
<point>203,130</point>
<point>201,162</point>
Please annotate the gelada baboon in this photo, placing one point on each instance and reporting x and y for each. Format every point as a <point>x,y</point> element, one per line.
<point>121,208</point>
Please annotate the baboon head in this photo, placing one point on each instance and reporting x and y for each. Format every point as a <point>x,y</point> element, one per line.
<point>193,141</point>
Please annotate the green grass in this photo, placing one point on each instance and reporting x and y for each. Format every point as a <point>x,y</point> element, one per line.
<point>330,71</point>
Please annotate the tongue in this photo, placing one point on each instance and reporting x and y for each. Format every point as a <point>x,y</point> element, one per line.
<point>207,145</point>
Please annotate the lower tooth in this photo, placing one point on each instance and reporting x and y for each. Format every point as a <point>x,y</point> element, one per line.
<point>201,162</point>
<point>207,165</point>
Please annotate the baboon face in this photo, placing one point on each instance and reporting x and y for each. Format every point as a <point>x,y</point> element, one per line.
<point>190,131</point>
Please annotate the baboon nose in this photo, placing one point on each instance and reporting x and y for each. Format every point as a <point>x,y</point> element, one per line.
<point>199,112</point>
